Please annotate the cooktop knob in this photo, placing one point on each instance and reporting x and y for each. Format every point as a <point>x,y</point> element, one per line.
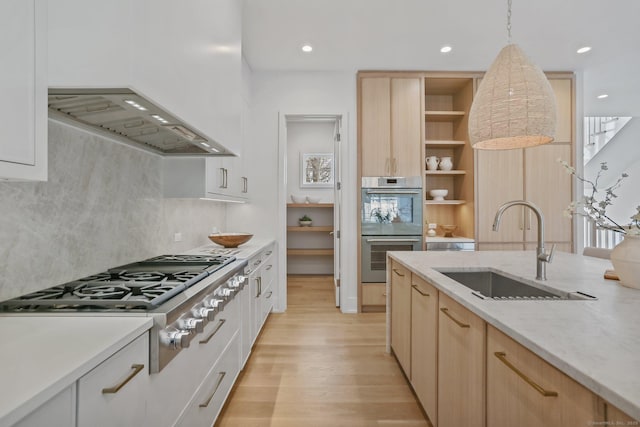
<point>191,324</point>
<point>174,338</point>
<point>203,313</point>
<point>213,302</point>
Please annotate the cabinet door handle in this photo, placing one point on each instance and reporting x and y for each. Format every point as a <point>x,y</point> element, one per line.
<point>398,273</point>
<point>217,328</point>
<point>387,166</point>
<point>222,178</point>
<point>217,386</point>
<point>245,184</point>
<point>259,280</point>
<point>459,323</point>
<point>420,290</point>
<point>528,219</point>
<point>269,295</point>
<point>112,390</point>
<point>394,163</point>
<point>502,356</point>
<point>226,177</point>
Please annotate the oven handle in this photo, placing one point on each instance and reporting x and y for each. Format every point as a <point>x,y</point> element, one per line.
<point>392,192</point>
<point>391,240</point>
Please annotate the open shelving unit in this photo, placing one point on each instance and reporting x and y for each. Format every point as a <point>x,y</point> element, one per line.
<point>311,245</point>
<point>448,98</point>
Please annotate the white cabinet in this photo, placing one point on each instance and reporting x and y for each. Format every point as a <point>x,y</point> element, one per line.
<point>261,272</point>
<point>114,392</point>
<point>60,410</point>
<point>204,177</point>
<point>23,90</point>
<point>207,401</point>
<point>185,56</point>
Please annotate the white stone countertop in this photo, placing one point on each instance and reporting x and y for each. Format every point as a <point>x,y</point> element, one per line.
<point>244,251</point>
<point>597,343</point>
<point>42,355</point>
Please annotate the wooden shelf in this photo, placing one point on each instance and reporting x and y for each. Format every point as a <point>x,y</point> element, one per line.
<point>445,202</point>
<point>440,143</point>
<point>443,116</point>
<point>451,172</point>
<point>327,228</point>
<point>309,205</point>
<point>310,252</point>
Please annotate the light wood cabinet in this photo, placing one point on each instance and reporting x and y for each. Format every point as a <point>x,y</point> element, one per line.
<point>461,366</point>
<point>523,390</point>
<point>389,125</point>
<point>23,85</point>
<point>401,315</point>
<point>374,296</point>
<point>534,175</point>
<point>616,417</point>
<point>424,344</point>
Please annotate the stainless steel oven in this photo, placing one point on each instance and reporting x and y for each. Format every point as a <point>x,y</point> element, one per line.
<point>374,254</point>
<point>391,220</point>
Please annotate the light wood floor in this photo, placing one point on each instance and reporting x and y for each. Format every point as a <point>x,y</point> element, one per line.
<point>313,366</point>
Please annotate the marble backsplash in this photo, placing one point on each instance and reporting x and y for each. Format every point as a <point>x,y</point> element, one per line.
<point>101,207</point>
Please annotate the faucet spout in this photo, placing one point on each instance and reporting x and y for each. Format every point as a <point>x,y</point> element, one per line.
<point>542,257</point>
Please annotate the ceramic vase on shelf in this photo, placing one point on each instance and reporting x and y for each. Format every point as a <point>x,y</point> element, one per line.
<point>446,164</point>
<point>625,258</point>
<point>432,163</point>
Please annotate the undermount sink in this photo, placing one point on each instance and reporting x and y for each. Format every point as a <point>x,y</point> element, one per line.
<point>492,285</point>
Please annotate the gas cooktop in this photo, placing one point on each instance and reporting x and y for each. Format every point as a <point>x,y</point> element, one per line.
<point>141,285</point>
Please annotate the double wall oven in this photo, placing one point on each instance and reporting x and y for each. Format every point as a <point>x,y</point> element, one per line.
<point>391,220</point>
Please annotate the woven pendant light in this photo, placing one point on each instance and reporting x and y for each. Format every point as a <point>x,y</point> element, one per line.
<point>515,106</point>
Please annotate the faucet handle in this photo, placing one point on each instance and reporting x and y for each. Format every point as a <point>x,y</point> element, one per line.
<point>548,257</point>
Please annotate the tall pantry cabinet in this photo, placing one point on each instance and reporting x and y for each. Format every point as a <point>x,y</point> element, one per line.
<point>389,125</point>
<point>532,174</point>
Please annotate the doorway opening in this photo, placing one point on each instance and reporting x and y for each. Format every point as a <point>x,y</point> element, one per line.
<point>310,182</point>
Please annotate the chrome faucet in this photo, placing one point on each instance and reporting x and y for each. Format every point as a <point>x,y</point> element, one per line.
<point>542,257</point>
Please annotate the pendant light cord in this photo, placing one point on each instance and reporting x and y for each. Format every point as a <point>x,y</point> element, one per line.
<point>509,20</point>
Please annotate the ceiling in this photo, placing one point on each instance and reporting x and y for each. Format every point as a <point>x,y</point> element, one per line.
<point>350,35</point>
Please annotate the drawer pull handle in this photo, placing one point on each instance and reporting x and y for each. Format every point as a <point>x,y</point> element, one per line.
<point>112,390</point>
<point>502,356</point>
<point>217,386</point>
<point>217,328</point>
<point>269,295</point>
<point>459,323</point>
<point>269,267</point>
<point>398,273</point>
<point>420,291</point>
<point>384,294</point>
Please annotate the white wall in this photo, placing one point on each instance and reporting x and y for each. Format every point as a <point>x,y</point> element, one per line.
<point>307,137</point>
<point>101,207</point>
<point>274,93</point>
<point>622,154</point>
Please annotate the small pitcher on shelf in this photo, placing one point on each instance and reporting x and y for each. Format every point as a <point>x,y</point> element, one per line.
<point>446,164</point>
<point>432,162</point>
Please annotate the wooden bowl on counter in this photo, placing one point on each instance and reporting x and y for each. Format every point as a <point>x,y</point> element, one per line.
<point>230,240</point>
<point>448,230</point>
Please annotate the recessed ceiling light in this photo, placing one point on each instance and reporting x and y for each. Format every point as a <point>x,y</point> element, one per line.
<point>603,96</point>
<point>445,49</point>
<point>584,49</point>
<point>307,48</point>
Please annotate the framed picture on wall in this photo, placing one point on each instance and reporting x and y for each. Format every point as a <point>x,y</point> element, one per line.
<point>316,170</point>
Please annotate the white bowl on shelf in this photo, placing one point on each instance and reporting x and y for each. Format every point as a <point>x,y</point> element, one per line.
<point>313,199</point>
<point>299,199</point>
<point>438,194</point>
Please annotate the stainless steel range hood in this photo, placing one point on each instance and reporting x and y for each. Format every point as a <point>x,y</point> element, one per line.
<point>129,115</point>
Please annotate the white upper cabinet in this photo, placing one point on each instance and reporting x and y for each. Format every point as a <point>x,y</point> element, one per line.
<point>184,56</point>
<point>23,90</point>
